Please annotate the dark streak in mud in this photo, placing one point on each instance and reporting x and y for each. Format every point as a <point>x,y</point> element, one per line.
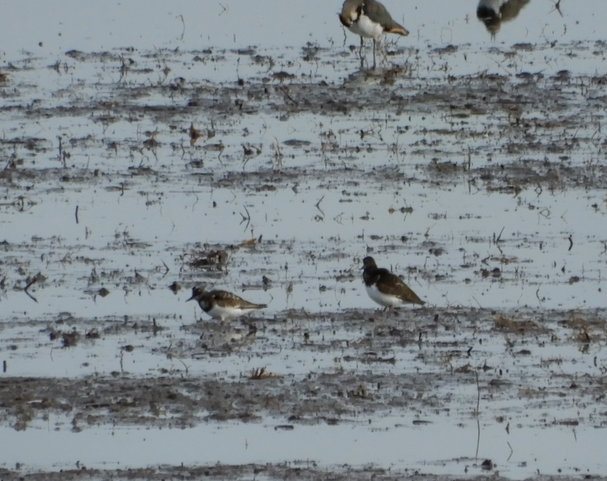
<point>304,470</point>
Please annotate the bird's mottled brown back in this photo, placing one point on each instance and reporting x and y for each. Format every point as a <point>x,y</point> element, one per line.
<point>227,299</point>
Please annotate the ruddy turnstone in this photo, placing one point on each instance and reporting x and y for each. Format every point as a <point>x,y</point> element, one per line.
<point>385,288</point>
<point>222,305</point>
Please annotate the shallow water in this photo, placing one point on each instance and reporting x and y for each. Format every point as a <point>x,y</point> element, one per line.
<point>473,166</point>
<point>392,445</point>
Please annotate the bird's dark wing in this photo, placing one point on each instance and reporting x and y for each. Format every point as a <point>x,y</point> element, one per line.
<point>392,285</point>
<point>378,13</point>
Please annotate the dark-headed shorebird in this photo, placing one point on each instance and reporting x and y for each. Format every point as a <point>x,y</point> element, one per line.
<point>369,19</point>
<point>493,12</point>
<point>222,305</point>
<point>385,288</point>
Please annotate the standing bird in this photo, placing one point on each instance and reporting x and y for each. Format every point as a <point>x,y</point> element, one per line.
<point>385,288</point>
<point>369,19</point>
<point>222,305</point>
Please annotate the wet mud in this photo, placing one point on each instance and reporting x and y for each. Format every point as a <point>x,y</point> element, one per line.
<point>380,363</point>
<point>150,129</point>
<point>287,471</point>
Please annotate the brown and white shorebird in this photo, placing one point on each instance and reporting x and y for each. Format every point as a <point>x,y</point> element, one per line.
<point>385,288</point>
<point>222,305</point>
<point>369,19</point>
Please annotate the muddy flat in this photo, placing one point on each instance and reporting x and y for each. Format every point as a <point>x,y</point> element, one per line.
<point>470,162</point>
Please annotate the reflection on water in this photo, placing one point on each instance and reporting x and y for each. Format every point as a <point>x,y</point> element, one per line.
<point>493,12</point>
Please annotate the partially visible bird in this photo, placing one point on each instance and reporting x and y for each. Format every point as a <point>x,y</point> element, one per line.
<point>369,19</point>
<point>493,12</point>
<point>222,305</point>
<point>385,288</point>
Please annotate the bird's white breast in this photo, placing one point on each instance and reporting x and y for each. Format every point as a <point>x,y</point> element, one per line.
<point>365,27</point>
<point>225,313</point>
<point>383,299</point>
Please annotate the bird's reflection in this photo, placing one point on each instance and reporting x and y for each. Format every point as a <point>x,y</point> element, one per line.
<point>493,12</point>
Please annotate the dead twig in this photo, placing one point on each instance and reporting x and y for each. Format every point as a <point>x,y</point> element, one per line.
<point>38,277</point>
<point>260,373</point>
<point>557,7</point>
<point>247,218</point>
<point>165,267</point>
<point>499,237</point>
<point>317,205</point>
<point>477,414</point>
<point>183,24</point>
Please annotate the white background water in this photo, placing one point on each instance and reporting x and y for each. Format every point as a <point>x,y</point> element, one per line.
<point>41,32</point>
